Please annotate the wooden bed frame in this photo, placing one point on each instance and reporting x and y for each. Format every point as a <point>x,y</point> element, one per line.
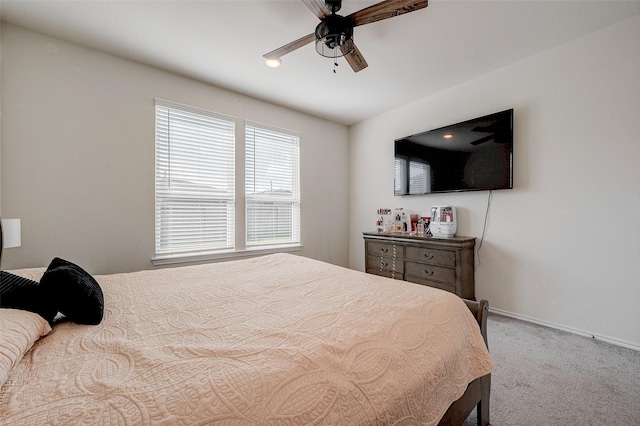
<point>477,393</point>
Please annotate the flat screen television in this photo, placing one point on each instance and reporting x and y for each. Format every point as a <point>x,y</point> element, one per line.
<point>474,155</point>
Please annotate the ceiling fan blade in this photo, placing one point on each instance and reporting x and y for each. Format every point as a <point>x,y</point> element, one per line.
<point>386,9</point>
<point>290,47</point>
<point>317,7</point>
<point>355,58</point>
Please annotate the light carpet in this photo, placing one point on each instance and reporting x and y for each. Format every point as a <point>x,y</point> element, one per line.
<point>547,377</point>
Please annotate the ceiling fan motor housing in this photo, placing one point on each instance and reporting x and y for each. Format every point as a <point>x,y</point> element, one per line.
<point>333,5</point>
<point>333,32</point>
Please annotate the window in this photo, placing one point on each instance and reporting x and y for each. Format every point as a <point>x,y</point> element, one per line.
<point>201,209</point>
<point>195,174</point>
<point>272,186</point>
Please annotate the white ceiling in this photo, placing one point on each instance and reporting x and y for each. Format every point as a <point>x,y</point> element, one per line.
<point>410,56</point>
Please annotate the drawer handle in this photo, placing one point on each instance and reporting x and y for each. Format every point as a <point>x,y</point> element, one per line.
<point>384,250</point>
<point>428,256</point>
<point>427,272</point>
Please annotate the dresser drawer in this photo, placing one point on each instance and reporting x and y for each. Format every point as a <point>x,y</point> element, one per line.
<point>431,272</point>
<point>383,263</point>
<point>387,274</point>
<point>385,249</point>
<point>442,286</point>
<point>432,256</point>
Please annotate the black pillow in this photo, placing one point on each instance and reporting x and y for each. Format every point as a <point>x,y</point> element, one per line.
<point>75,292</point>
<point>22,293</point>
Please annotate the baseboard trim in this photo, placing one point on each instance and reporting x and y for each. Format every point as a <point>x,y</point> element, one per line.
<point>611,340</point>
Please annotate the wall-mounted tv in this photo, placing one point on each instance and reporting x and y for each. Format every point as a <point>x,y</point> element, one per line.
<point>474,155</point>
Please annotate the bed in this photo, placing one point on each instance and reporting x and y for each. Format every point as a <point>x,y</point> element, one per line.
<point>277,339</point>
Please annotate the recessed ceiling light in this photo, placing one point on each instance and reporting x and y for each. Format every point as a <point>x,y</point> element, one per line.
<point>448,136</point>
<point>273,62</point>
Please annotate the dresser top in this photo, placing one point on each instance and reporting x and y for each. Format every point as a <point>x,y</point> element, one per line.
<point>412,237</point>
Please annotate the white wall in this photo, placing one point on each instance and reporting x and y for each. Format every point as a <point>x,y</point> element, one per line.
<point>78,155</point>
<point>563,246</point>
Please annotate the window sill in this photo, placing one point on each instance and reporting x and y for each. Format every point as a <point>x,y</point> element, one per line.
<point>229,255</point>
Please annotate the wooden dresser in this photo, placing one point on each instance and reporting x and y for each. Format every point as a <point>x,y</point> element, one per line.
<point>444,263</point>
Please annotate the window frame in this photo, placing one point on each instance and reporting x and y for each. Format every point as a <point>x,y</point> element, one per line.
<point>240,249</point>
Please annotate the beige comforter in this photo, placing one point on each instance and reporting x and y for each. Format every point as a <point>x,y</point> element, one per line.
<point>279,339</point>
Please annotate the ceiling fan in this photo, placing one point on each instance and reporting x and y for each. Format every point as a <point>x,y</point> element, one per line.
<point>334,33</point>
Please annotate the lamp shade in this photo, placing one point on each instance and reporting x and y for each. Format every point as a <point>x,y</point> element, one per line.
<point>11,233</point>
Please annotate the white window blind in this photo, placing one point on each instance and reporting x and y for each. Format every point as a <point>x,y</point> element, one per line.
<point>195,161</point>
<point>272,186</point>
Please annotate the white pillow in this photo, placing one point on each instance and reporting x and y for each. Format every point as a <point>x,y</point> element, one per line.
<point>19,330</point>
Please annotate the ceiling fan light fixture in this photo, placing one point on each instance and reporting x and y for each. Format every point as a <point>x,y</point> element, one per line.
<point>334,36</point>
